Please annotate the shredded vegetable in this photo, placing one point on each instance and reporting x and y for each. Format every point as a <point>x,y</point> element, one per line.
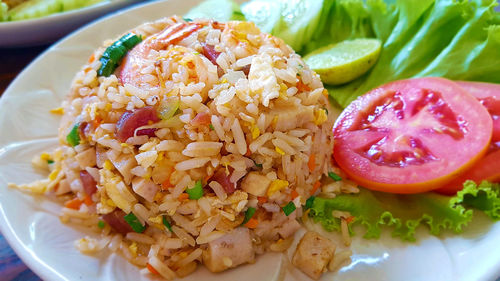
<point>166,223</point>
<point>73,138</point>
<point>289,208</point>
<point>334,176</point>
<point>196,192</point>
<point>248,215</point>
<point>134,222</point>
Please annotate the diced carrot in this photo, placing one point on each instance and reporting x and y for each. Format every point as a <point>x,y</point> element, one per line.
<point>166,184</point>
<point>88,200</point>
<point>96,122</point>
<point>252,223</point>
<point>302,87</point>
<point>152,269</point>
<point>312,162</point>
<point>207,178</point>
<point>91,58</point>
<point>73,204</point>
<point>315,187</point>
<point>349,219</point>
<point>248,153</point>
<point>183,196</point>
<point>294,194</point>
<point>262,199</point>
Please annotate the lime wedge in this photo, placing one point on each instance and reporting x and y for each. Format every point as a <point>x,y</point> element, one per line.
<point>345,61</point>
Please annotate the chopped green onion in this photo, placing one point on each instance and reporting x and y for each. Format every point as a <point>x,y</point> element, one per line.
<point>334,176</point>
<point>73,138</point>
<point>309,202</point>
<point>101,224</point>
<point>166,223</point>
<point>187,19</point>
<point>289,208</point>
<point>107,67</point>
<point>196,192</point>
<point>130,40</point>
<point>134,222</point>
<point>50,161</point>
<point>258,165</point>
<point>326,109</point>
<point>248,214</point>
<point>115,53</point>
<point>168,108</point>
<point>211,127</point>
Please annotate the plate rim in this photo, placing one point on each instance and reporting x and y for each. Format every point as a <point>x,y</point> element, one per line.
<point>43,270</point>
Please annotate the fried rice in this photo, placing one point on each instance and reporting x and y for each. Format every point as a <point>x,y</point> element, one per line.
<point>250,128</point>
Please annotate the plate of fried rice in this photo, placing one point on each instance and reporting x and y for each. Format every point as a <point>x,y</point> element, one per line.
<point>191,158</point>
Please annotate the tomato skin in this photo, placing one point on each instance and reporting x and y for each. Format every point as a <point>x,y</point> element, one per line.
<point>488,168</point>
<point>489,96</point>
<point>359,129</point>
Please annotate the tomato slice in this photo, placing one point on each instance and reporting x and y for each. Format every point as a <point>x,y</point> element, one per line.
<point>488,168</point>
<point>411,136</point>
<point>489,96</point>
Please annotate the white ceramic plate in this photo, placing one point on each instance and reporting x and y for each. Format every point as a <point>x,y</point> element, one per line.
<point>32,228</point>
<point>47,29</point>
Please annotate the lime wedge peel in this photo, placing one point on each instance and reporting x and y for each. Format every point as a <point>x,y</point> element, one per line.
<point>345,61</point>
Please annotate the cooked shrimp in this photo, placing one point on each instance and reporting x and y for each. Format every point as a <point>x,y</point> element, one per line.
<point>161,55</point>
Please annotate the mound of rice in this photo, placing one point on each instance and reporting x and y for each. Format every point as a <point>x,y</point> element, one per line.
<point>251,125</point>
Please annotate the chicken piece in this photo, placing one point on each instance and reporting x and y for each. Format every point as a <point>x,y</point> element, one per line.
<point>289,116</point>
<point>229,251</point>
<point>313,254</point>
<point>256,184</point>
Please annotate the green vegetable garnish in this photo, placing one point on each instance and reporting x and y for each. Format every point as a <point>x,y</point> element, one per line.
<point>167,224</point>
<point>187,19</point>
<point>248,215</point>
<point>101,224</point>
<point>130,40</point>
<point>113,54</point>
<point>289,208</point>
<point>211,127</point>
<point>196,192</point>
<point>73,138</point>
<point>134,222</point>
<point>50,161</point>
<point>334,176</point>
<point>309,202</point>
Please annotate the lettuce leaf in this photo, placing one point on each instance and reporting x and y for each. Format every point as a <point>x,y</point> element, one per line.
<point>297,22</point>
<point>405,213</point>
<point>219,10</point>
<point>453,39</point>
